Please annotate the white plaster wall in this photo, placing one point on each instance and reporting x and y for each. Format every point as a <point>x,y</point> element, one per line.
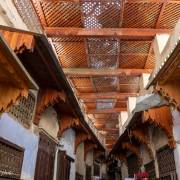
<point>14,132</point>
<point>145,155</point>
<point>49,122</point>
<point>176,132</point>
<point>124,170</point>
<point>80,164</point>
<point>159,138</point>
<point>9,15</point>
<point>67,140</point>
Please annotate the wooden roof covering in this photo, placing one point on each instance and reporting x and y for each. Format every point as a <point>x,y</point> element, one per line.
<point>92,36</point>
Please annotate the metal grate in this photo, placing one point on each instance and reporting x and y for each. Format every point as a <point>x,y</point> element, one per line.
<point>23,112</point>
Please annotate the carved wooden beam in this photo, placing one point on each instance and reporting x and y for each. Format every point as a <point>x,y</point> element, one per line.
<point>81,137</point>
<point>142,137</point>
<point>88,146</point>
<point>170,92</point>
<point>67,122</point>
<point>18,41</point>
<point>162,118</point>
<point>47,97</point>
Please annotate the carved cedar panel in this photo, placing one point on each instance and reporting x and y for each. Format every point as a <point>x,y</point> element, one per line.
<point>162,118</point>
<point>67,122</point>
<point>46,98</point>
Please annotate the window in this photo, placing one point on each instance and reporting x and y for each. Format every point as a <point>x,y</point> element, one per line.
<point>11,158</point>
<point>23,112</point>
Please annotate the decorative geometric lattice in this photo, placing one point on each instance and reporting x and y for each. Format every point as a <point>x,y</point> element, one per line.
<point>129,46</point>
<point>132,61</point>
<point>105,103</point>
<point>99,14</point>
<point>62,14</point>
<point>171,15</point>
<point>73,61</point>
<point>23,112</point>
<point>105,84</point>
<point>141,15</point>
<point>102,46</point>
<point>103,61</point>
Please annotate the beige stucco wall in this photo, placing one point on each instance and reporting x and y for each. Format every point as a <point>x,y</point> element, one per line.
<point>79,161</point>
<point>9,15</point>
<point>124,170</point>
<point>49,122</point>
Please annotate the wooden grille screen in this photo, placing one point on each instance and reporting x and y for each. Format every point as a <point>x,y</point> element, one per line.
<point>23,112</point>
<point>166,163</point>
<point>11,158</point>
<point>45,158</point>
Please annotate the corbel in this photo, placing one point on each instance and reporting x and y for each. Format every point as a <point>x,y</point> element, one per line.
<point>88,146</point>
<point>81,137</point>
<point>67,122</point>
<point>142,137</point>
<point>46,98</point>
<point>161,117</point>
<point>97,153</point>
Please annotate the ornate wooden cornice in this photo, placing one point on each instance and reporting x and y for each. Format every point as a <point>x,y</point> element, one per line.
<point>46,98</point>
<point>143,138</point>
<point>67,122</point>
<point>18,41</point>
<point>170,92</point>
<point>81,137</point>
<point>131,147</point>
<point>162,118</point>
<point>88,146</point>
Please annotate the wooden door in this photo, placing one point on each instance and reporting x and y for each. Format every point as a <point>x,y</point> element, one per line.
<point>63,166</point>
<point>166,163</point>
<point>45,158</point>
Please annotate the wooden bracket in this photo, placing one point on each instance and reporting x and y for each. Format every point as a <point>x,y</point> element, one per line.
<point>47,97</point>
<point>88,146</point>
<point>162,118</point>
<point>143,138</point>
<point>67,122</point>
<point>81,137</point>
<point>97,153</point>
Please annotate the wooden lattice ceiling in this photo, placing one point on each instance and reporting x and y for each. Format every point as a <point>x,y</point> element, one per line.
<point>104,65</point>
